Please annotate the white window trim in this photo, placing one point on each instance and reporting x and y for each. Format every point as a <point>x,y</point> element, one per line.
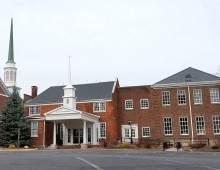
<point>32,128</point>
<point>134,128</point>
<point>200,134</point>
<point>142,131</point>
<point>169,99</point>
<point>99,106</point>
<point>132,104</point>
<point>194,98</point>
<point>171,126</point>
<point>181,104</point>
<point>211,98</point>
<point>61,131</point>
<point>147,102</point>
<point>100,130</point>
<point>34,114</point>
<point>185,134</point>
<point>213,125</point>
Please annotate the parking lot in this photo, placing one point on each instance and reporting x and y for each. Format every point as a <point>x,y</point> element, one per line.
<point>107,159</point>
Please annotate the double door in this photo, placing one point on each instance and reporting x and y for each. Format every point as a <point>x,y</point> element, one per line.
<point>78,135</point>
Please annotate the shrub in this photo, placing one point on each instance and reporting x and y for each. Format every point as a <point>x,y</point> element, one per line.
<point>124,145</point>
<point>147,145</point>
<point>215,147</point>
<point>197,145</point>
<point>11,146</point>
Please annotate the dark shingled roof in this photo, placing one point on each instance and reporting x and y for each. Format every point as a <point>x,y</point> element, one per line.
<point>189,75</point>
<point>84,92</point>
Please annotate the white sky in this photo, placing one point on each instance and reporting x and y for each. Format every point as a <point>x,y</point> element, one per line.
<point>138,41</point>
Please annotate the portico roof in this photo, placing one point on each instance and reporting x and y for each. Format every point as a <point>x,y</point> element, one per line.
<point>64,113</point>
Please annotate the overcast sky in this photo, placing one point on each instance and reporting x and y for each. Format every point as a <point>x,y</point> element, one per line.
<point>138,41</point>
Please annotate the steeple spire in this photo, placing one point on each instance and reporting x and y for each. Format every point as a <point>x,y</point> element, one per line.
<point>11,46</point>
<point>69,73</point>
<point>69,98</point>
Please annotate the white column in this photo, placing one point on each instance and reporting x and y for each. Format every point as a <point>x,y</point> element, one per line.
<point>64,134</point>
<point>94,134</point>
<point>54,134</point>
<point>84,132</point>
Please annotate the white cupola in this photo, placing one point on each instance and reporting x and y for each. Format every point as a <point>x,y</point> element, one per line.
<point>69,98</point>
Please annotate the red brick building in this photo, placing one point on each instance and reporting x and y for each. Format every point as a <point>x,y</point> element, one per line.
<point>183,107</point>
<point>4,94</point>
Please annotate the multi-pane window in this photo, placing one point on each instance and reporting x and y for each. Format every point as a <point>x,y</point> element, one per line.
<point>200,125</point>
<point>127,133</point>
<point>181,95</point>
<point>214,95</point>
<point>184,126</point>
<point>197,96</point>
<point>128,104</point>
<point>99,107</point>
<point>34,129</point>
<point>166,98</point>
<point>144,103</point>
<point>102,129</point>
<point>69,135</point>
<point>168,126</point>
<point>61,131</point>
<point>34,110</point>
<point>216,124</point>
<point>146,131</point>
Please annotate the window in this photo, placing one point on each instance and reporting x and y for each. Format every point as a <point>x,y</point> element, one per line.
<point>216,124</point>
<point>197,96</point>
<point>128,104</point>
<point>168,126</point>
<point>99,107</point>
<point>69,135</point>
<point>127,133</point>
<point>166,98</point>
<point>34,129</point>
<point>61,131</point>
<point>144,103</point>
<point>181,95</point>
<point>200,125</point>
<point>34,110</point>
<point>102,129</point>
<point>184,126</point>
<point>214,95</point>
<point>146,131</point>
<point>7,76</point>
<point>11,75</point>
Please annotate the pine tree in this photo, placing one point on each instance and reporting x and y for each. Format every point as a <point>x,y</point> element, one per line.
<point>13,120</point>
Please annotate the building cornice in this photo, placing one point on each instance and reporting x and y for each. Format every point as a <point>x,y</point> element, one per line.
<point>185,84</point>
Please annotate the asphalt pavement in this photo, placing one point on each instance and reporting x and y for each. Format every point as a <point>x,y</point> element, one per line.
<point>104,159</point>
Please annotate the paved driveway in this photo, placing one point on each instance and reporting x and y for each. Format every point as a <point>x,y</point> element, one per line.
<point>108,159</point>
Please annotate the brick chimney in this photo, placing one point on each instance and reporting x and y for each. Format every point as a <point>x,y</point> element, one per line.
<point>34,91</point>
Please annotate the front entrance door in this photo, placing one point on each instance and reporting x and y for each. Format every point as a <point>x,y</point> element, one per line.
<point>77,136</point>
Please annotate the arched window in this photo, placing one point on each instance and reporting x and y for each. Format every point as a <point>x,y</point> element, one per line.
<point>11,75</point>
<point>15,76</point>
<point>7,76</point>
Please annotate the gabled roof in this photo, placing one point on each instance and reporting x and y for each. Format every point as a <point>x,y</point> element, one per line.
<point>4,88</point>
<point>65,113</point>
<point>84,92</point>
<point>189,75</point>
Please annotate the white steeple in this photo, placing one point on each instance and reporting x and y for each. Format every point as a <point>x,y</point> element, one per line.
<point>69,98</point>
<point>10,71</point>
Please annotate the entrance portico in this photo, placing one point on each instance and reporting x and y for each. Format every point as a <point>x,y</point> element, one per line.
<point>78,127</point>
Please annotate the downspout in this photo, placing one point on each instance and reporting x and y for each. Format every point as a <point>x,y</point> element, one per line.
<point>190,112</point>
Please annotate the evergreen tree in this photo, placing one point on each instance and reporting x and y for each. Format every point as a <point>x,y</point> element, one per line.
<point>13,120</point>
